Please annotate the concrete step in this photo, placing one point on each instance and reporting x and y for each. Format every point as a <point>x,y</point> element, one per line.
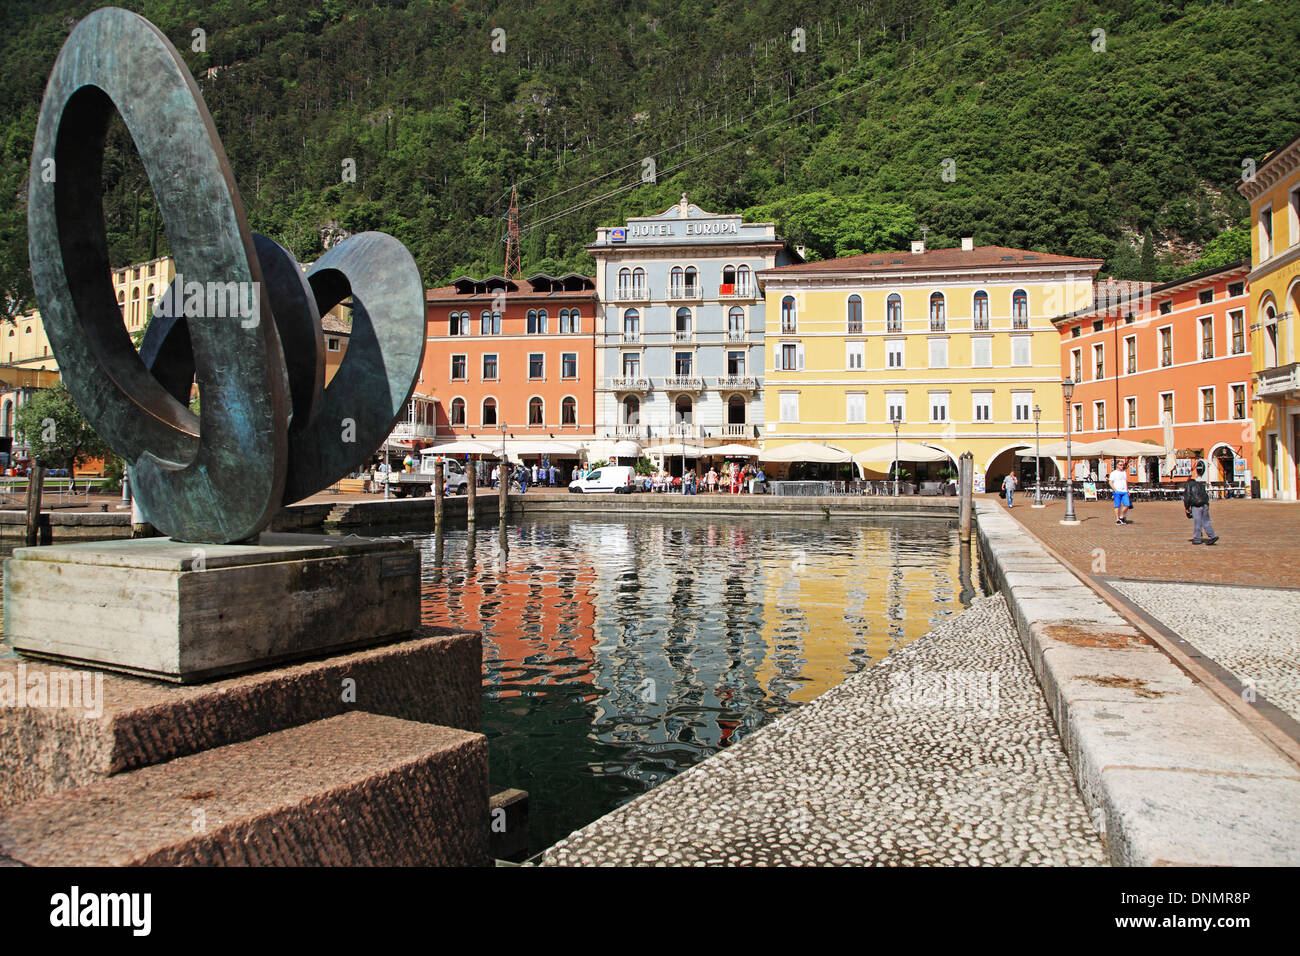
<point>354,790</point>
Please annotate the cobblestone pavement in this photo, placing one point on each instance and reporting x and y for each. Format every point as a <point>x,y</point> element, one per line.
<point>1259,541</point>
<point>1253,632</point>
<point>942,753</point>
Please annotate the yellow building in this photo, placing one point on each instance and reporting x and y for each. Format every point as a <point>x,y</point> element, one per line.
<point>956,344</point>
<point>138,286</point>
<point>1274,194</point>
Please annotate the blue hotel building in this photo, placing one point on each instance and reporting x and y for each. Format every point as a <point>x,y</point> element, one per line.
<point>680,329</point>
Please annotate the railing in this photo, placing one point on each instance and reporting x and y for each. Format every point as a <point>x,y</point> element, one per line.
<point>737,431</point>
<point>894,325</point>
<point>938,325</point>
<point>683,335</point>
<point>687,293</point>
<point>981,323</point>
<point>405,431</point>
<point>631,338</point>
<point>624,294</point>
<point>682,430</point>
<point>684,383</point>
<point>737,335</point>
<point>1278,380</point>
<point>737,292</point>
<point>629,384</point>
<point>632,432</point>
<point>1020,322</point>
<point>788,327</point>
<point>737,383</point>
<point>854,328</point>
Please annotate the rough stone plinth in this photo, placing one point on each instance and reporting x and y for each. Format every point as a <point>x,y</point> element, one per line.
<point>354,790</point>
<point>191,612</point>
<point>132,722</point>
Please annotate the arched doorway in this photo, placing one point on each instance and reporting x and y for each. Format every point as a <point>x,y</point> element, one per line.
<point>1221,458</point>
<point>736,410</point>
<point>631,410</point>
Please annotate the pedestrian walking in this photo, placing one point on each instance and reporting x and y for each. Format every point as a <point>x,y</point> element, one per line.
<point>1196,502</point>
<point>1009,488</point>
<point>1118,479</point>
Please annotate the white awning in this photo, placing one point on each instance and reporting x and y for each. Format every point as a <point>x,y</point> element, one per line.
<point>735,449</point>
<point>462,448</point>
<point>1056,449</point>
<point>906,450</point>
<point>817,452</point>
<point>676,448</point>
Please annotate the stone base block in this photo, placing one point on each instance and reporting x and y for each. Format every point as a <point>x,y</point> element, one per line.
<point>191,612</point>
<point>354,790</point>
<point>63,728</point>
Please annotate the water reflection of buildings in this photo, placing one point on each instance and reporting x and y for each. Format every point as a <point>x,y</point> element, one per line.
<point>849,595</point>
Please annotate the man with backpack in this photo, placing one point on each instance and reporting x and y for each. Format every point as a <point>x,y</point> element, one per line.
<point>1196,502</point>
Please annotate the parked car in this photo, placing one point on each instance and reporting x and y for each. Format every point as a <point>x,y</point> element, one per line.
<point>615,478</point>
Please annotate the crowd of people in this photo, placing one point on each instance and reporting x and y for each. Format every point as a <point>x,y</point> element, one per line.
<point>734,478</point>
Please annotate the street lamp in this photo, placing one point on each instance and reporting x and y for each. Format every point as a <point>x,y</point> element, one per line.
<point>1038,496</point>
<point>897,422</point>
<point>1067,388</point>
<point>502,426</point>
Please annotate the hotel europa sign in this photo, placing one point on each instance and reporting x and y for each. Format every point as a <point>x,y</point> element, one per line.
<point>678,229</point>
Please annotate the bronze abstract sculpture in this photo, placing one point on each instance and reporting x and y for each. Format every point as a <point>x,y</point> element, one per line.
<point>268,432</point>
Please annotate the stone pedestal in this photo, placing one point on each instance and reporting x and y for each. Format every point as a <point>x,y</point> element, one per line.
<point>191,612</point>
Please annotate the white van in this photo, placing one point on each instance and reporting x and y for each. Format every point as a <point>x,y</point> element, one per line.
<point>615,478</point>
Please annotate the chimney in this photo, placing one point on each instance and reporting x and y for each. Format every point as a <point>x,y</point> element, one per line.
<point>968,244</point>
<point>918,246</point>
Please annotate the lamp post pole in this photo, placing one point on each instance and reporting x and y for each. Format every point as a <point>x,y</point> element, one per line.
<point>896,424</point>
<point>1038,495</point>
<point>1067,388</point>
<point>503,482</point>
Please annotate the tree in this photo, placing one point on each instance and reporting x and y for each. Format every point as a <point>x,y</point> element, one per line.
<point>1147,264</point>
<point>1227,248</point>
<point>57,431</point>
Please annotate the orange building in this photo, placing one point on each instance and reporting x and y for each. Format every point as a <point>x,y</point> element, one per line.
<point>1181,349</point>
<point>514,361</point>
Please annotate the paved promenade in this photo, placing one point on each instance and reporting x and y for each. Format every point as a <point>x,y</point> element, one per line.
<point>942,753</point>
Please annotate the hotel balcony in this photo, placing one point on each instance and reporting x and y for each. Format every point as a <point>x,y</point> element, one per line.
<point>737,335</point>
<point>683,383</point>
<point>683,335</point>
<point>408,431</point>
<point>626,384</point>
<point>681,430</point>
<point>685,293</point>
<point>736,431</point>
<point>630,432</point>
<point>737,383</point>
<point>624,294</point>
<point>730,292</point>
<point>631,338</point>
<point>1278,381</point>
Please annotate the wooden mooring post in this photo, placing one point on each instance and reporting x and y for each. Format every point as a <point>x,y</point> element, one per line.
<point>965,484</point>
<point>35,482</point>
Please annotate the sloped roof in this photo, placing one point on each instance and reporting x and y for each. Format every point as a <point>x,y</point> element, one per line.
<point>981,257</point>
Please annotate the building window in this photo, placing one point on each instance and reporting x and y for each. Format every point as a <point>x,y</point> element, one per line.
<point>631,410</point>
<point>692,281</point>
<point>489,411</point>
<point>980,311</point>
<point>1021,353</point>
<point>894,405</point>
<point>938,406</point>
<point>981,352</point>
<point>1098,325</point>
<point>1098,362</point>
<point>1266,233</point>
<point>490,367</point>
<point>536,365</point>
<point>675,282</point>
<point>458,411</point>
<point>683,364</point>
<point>1020,402</point>
<point>854,356</point>
<point>855,408</point>
<point>454,323</point>
<point>489,323</point>
<point>536,411</point>
<point>1207,338</point>
<point>638,283</point>
<point>459,364</point>
<point>1078,418</point>
<point>1166,406</point>
<point>624,283</point>
<point>537,321</point>
<point>789,406</point>
<point>1166,306</point>
<point>938,315</point>
<point>631,364</point>
<point>982,407</point>
<point>894,313</point>
<point>1239,401</point>
<point>1207,405</point>
<point>736,323</point>
<point>1131,355</point>
<point>1132,404</point>
<point>854,316</point>
<point>1166,347</point>
<point>1099,415</point>
<point>1239,288</point>
<point>683,410</point>
<point>1020,309</point>
<point>570,322</point>
<point>789,318</point>
<point>568,365</point>
<point>631,322</point>
<point>332,344</point>
<point>1205,296</point>
<point>683,324</point>
<point>743,284</point>
<point>1076,331</point>
<point>569,411</point>
<point>894,353</point>
<point>1076,364</point>
<point>789,357</point>
<point>736,363</point>
<point>938,353</point>
<point>1238,332</point>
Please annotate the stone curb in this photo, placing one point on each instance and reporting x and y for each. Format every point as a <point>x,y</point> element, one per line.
<point>1173,777</point>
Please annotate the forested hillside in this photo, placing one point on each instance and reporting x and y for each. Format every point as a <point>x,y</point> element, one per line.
<point>1125,146</point>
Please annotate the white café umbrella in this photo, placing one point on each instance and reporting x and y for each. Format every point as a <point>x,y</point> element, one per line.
<point>463,448</point>
<point>626,448</point>
<point>818,452</point>
<point>907,451</point>
<point>734,450</point>
<point>1056,449</point>
<point>1126,448</point>
<point>677,448</point>
<point>1168,421</point>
